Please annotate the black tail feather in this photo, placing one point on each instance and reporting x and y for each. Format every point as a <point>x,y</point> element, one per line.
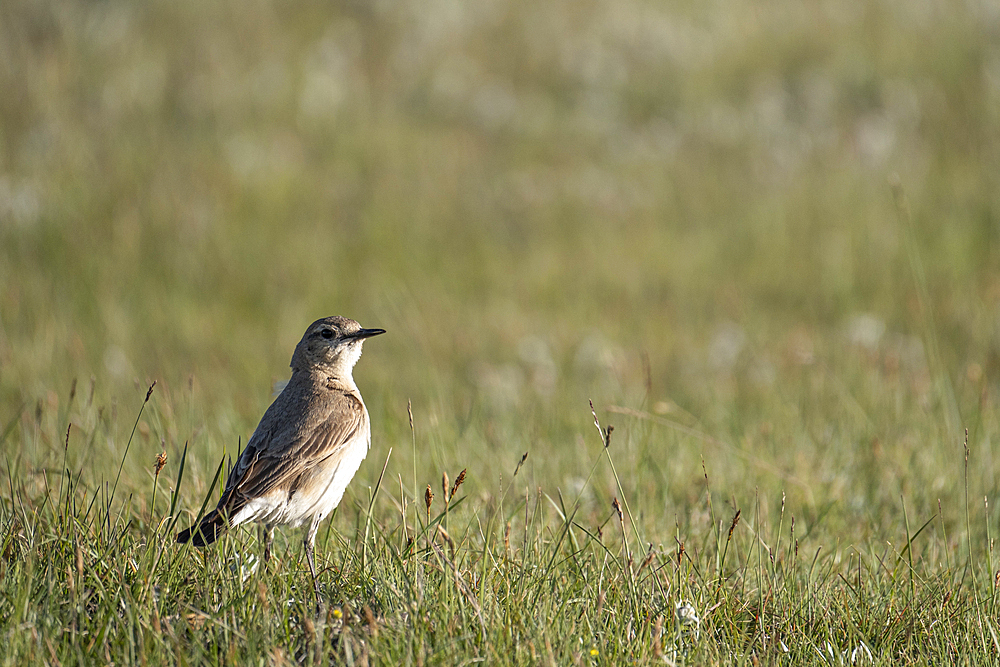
<point>208,531</point>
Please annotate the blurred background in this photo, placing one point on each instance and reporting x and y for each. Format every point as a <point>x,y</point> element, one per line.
<point>774,224</point>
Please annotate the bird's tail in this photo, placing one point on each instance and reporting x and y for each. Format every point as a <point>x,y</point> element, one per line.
<point>209,530</point>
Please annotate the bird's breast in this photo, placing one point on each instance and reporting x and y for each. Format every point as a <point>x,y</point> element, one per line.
<point>319,490</point>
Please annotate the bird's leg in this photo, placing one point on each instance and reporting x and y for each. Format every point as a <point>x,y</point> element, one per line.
<point>268,541</point>
<point>310,542</point>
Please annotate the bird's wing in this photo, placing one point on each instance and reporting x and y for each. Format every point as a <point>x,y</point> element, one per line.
<point>275,458</point>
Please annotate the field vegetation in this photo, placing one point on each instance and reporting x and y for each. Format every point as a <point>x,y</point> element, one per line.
<point>763,238</point>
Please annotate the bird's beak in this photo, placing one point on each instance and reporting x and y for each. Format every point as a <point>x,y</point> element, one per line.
<point>365,333</point>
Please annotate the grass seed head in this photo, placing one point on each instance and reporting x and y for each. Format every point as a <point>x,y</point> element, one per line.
<point>520,463</point>
<point>428,499</point>
<point>732,526</point>
<point>444,487</point>
<point>458,483</point>
<point>161,460</point>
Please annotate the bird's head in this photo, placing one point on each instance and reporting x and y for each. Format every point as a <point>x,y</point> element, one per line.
<point>332,345</point>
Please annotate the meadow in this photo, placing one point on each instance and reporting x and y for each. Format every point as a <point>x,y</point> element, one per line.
<point>703,298</point>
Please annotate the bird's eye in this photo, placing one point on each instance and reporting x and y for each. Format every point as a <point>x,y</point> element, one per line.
<point>327,333</point>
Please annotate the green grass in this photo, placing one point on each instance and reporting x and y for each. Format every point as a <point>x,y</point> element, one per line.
<point>517,574</point>
<point>761,238</point>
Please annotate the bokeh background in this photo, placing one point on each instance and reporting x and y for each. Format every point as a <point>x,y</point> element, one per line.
<point>773,224</point>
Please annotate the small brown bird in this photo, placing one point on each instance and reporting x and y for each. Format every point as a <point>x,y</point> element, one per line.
<point>307,447</point>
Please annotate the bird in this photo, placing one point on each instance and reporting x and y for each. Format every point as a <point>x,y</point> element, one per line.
<point>306,448</point>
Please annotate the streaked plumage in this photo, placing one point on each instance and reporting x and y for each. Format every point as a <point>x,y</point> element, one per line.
<point>308,445</point>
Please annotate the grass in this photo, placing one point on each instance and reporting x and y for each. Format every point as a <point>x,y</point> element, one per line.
<point>761,239</point>
<point>518,574</point>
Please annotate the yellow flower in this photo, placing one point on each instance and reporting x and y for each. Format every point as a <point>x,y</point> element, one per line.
<point>338,614</point>
<point>594,653</point>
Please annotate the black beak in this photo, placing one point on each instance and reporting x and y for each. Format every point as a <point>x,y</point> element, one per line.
<point>364,333</point>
